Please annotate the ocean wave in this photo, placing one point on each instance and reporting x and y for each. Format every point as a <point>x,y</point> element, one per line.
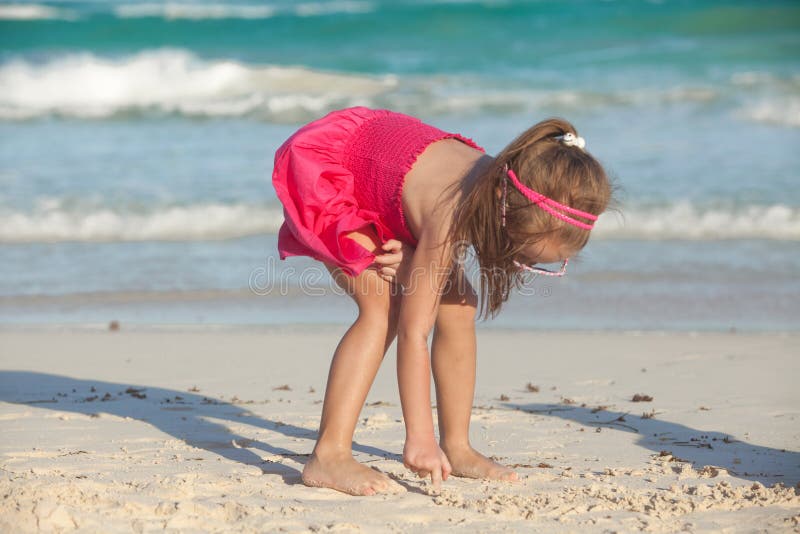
<point>35,12</point>
<point>187,10</point>
<point>781,111</point>
<point>55,221</point>
<point>311,9</point>
<point>174,10</point>
<point>687,221</point>
<point>174,81</point>
<point>171,81</point>
<point>198,11</point>
<point>772,99</point>
<point>177,82</point>
<point>754,79</point>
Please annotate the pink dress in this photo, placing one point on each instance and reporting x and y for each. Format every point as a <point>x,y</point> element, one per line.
<point>344,172</point>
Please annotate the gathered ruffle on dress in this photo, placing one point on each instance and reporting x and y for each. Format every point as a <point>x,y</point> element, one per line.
<point>345,172</point>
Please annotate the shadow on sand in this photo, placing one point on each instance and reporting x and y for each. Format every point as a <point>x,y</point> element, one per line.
<point>184,415</point>
<point>190,417</point>
<point>700,447</point>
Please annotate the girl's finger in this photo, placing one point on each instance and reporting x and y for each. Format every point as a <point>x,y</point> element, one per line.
<point>388,259</point>
<point>391,271</point>
<point>392,244</point>
<point>436,479</point>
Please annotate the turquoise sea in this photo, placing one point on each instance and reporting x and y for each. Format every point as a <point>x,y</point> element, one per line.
<point>136,145</point>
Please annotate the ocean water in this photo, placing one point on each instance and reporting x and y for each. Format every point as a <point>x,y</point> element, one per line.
<point>136,145</point>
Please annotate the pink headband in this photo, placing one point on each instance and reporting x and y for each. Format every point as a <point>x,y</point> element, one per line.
<point>547,204</point>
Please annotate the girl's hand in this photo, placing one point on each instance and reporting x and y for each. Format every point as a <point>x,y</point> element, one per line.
<point>389,263</point>
<point>426,458</point>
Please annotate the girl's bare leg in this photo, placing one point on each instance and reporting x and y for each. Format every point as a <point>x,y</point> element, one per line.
<point>454,356</point>
<point>355,364</point>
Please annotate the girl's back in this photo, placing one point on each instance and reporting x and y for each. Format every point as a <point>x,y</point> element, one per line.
<point>425,191</point>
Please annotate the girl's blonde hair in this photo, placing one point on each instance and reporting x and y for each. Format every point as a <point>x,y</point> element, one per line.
<point>564,173</point>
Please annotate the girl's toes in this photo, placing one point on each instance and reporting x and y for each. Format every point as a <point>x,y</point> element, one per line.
<point>511,476</point>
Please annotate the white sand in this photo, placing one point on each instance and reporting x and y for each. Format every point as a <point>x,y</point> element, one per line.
<point>205,441</point>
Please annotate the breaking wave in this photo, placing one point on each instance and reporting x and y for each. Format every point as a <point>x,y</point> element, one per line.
<point>174,81</point>
<point>54,222</point>
<point>197,11</point>
<point>35,12</point>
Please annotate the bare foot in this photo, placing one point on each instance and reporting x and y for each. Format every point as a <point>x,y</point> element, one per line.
<point>469,463</point>
<point>343,473</point>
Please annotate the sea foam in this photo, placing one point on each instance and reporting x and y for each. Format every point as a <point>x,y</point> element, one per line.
<point>55,222</point>
<point>35,12</point>
<point>186,10</point>
<point>175,81</point>
<point>198,222</point>
<point>175,10</point>
<point>687,221</point>
<point>172,81</point>
<point>200,11</point>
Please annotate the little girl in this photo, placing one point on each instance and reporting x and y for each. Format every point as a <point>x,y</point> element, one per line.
<point>386,201</point>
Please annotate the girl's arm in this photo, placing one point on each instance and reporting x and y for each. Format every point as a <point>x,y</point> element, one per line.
<point>423,281</point>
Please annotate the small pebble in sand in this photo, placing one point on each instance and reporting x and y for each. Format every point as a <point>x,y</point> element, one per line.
<point>641,397</point>
<point>379,403</point>
<point>113,326</point>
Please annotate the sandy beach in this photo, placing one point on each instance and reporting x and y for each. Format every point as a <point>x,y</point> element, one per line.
<point>203,429</point>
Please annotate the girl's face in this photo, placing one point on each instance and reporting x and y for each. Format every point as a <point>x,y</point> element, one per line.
<point>543,252</point>
<point>534,255</point>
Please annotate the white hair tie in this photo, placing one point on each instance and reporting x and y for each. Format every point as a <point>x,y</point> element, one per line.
<point>570,139</point>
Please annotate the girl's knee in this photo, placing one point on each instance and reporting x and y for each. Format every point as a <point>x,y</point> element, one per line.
<point>372,294</point>
<point>375,321</point>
